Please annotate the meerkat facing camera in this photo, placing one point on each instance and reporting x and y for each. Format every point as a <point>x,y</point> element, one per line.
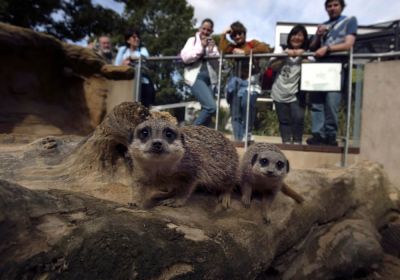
<point>263,169</point>
<point>170,162</point>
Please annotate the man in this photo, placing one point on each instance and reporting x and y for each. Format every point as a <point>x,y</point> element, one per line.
<point>336,34</point>
<point>105,49</point>
<point>233,41</point>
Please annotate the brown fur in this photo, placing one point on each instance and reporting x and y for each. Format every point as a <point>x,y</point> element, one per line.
<point>263,169</point>
<point>170,162</point>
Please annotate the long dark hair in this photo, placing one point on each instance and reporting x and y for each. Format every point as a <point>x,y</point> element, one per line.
<point>296,29</point>
<point>128,33</point>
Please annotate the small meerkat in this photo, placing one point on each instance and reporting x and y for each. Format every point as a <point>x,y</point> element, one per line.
<point>263,169</point>
<point>170,162</point>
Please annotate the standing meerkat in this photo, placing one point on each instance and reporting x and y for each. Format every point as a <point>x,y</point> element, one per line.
<point>170,162</point>
<point>263,169</point>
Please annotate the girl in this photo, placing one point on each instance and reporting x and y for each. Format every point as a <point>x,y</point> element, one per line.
<point>288,100</point>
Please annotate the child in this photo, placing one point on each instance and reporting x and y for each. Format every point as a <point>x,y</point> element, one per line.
<point>288,100</point>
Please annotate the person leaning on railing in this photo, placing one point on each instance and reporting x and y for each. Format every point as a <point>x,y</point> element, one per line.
<point>288,99</point>
<point>199,73</point>
<point>126,55</point>
<point>336,34</point>
<point>233,41</point>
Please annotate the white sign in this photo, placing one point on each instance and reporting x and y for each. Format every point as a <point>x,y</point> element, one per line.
<point>321,76</point>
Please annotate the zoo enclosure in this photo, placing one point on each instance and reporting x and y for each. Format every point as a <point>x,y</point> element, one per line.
<point>353,87</point>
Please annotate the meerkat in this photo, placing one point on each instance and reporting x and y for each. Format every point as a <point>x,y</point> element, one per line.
<point>263,169</point>
<point>170,162</point>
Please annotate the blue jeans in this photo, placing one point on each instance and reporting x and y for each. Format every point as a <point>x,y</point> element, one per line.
<point>201,89</point>
<point>291,119</point>
<point>238,114</point>
<point>324,113</point>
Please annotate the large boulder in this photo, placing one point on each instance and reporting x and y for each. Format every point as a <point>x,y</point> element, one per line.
<point>49,87</point>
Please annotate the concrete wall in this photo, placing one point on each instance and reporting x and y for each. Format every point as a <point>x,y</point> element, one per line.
<point>380,128</point>
<point>120,91</point>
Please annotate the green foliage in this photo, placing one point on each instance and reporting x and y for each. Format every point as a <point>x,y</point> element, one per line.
<point>65,19</point>
<point>165,24</point>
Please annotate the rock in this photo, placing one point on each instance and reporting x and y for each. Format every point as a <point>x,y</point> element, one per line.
<point>64,215</point>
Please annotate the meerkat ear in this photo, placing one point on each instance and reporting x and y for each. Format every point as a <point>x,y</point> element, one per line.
<point>254,159</point>
<point>287,166</point>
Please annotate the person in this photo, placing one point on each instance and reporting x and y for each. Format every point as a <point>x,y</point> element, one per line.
<point>288,99</point>
<point>233,41</point>
<point>336,34</point>
<point>200,74</point>
<point>105,49</point>
<point>126,55</point>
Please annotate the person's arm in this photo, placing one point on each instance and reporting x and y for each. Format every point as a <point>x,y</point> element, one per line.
<point>224,45</point>
<point>192,50</point>
<point>144,52</point>
<point>345,46</point>
<point>118,58</point>
<point>257,47</point>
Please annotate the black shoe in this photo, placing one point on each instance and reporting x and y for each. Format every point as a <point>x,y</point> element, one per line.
<point>331,140</point>
<point>316,139</point>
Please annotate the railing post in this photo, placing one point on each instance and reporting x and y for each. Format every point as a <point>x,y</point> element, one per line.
<point>138,80</point>
<point>218,91</point>
<point>348,115</point>
<point>357,106</point>
<point>248,101</point>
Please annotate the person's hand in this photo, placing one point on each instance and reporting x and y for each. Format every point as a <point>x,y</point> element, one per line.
<point>321,30</point>
<point>293,53</point>
<point>321,51</point>
<point>204,41</point>
<point>237,51</point>
<point>227,31</point>
<point>210,44</point>
<point>126,61</point>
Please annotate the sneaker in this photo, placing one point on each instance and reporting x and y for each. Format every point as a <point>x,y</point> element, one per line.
<point>287,142</point>
<point>316,139</point>
<point>297,143</point>
<point>331,140</point>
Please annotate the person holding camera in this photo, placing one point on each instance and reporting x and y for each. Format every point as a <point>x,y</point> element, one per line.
<point>133,48</point>
<point>336,34</point>
<point>233,41</point>
<point>199,73</point>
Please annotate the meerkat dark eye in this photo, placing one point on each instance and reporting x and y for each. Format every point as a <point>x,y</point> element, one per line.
<point>170,134</point>
<point>144,133</point>
<point>264,162</point>
<point>280,165</point>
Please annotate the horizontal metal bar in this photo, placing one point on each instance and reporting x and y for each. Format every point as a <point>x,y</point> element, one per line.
<point>261,55</point>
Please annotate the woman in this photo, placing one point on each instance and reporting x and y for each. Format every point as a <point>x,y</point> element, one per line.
<point>288,100</point>
<point>199,73</point>
<point>233,41</point>
<point>134,48</point>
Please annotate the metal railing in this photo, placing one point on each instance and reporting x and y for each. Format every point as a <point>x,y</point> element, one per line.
<point>251,56</point>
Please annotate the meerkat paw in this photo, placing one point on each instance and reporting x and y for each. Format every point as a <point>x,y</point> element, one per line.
<point>173,202</point>
<point>133,205</point>
<point>225,200</point>
<point>246,201</point>
<point>266,220</point>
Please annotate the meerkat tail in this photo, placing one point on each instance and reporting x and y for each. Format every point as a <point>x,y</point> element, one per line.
<point>291,193</point>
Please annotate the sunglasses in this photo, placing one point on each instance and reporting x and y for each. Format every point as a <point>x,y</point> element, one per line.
<point>234,34</point>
